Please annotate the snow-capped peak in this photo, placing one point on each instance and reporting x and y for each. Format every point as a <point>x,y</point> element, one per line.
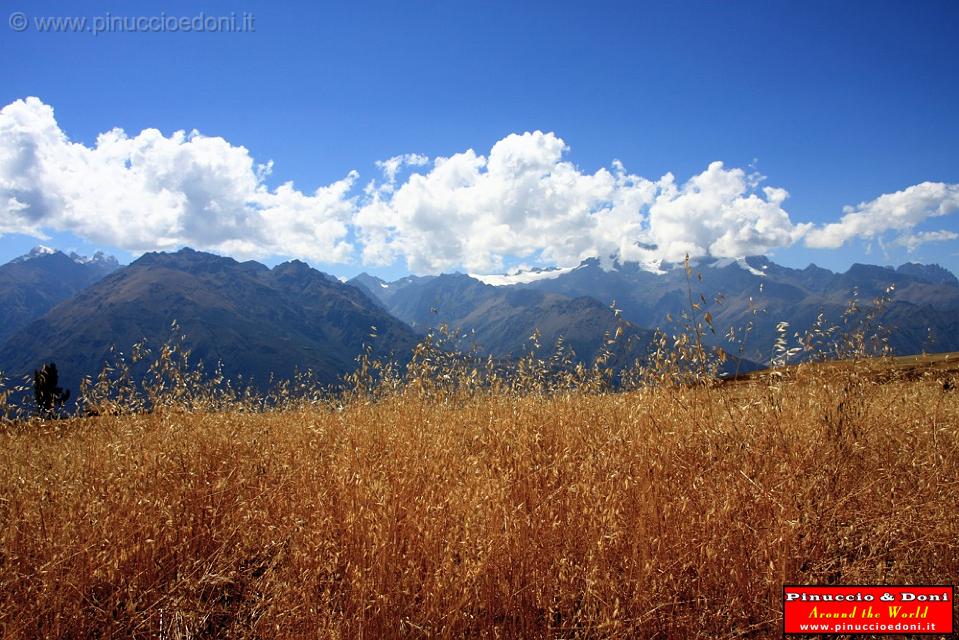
<point>748,267</point>
<point>40,251</point>
<point>98,258</point>
<point>742,263</point>
<point>521,276</point>
<point>653,266</point>
<point>37,252</point>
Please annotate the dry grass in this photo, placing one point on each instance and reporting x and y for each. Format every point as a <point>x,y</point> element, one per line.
<point>944,366</point>
<point>669,512</point>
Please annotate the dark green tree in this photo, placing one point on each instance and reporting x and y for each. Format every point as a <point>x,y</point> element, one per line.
<point>46,390</point>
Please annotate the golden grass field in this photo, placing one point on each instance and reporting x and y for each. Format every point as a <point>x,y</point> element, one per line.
<point>667,512</point>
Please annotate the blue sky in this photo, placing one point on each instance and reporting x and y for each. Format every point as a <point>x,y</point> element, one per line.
<point>838,103</point>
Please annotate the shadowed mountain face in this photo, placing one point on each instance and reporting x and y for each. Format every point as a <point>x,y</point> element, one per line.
<point>384,293</point>
<point>931,273</point>
<point>754,292</point>
<point>255,320</point>
<point>921,315</point>
<point>501,320</point>
<point>34,283</point>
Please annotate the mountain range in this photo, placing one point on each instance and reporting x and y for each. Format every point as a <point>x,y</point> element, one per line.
<point>753,295</point>
<point>260,321</point>
<point>500,321</point>
<point>34,283</point>
<point>255,320</point>
<point>922,313</point>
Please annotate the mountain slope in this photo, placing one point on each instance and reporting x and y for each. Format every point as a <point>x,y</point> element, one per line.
<point>384,292</point>
<point>34,283</point>
<point>501,320</point>
<point>256,320</point>
<point>755,291</point>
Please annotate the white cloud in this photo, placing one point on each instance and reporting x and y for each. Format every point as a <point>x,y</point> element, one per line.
<point>151,192</point>
<point>391,166</point>
<point>717,213</point>
<point>912,241</point>
<point>522,201</point>
<point>472,211</point>
<point>899,211</point>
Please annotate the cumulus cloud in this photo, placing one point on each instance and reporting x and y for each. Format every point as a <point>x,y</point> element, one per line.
<point>526,201</point>
<point>717,213</point>
<point>522,201</point>
<point>153,191</point>
<point>472,211</point>
<point>899,211</point>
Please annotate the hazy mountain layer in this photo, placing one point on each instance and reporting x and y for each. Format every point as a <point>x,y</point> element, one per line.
<point>501,320</point>
<point>34,283</point>
<point>756,291</point>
